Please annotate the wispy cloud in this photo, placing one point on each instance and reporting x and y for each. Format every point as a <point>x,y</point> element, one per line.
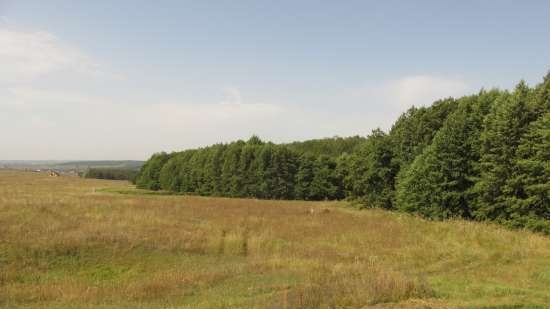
<point>232,95</point>
<point>28,55</point>
<point>4,20</point>
<point>417,90</point>
<point>381,102</point>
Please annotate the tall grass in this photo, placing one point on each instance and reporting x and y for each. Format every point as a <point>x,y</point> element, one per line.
<point>76,243</point>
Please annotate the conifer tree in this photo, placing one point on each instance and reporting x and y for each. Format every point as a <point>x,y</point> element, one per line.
<point>265,171</point>
<point>438,184</point>
<point>373,171</point>
<point>148,177</point>
<point>248,166</point>
<point>542,96</point>
<point>185,172</point>
<point>504,126</point>
<point>325,184</point>
<point>415,129</point>
<point>231,173</point>
<point>168,176</point>
<point>284,168</point>
<point>304,177</point>
<point>530,205</point>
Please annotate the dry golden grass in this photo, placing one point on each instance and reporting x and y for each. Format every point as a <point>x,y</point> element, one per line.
<point>67,242</point>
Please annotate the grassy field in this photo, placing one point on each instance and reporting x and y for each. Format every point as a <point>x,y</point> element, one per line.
<point>78,243</point>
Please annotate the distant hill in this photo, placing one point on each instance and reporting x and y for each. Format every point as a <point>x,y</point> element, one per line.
<point>126,164</point>
<point>77,166</point>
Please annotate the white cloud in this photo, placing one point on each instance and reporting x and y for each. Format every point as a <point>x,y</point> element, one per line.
<point>25,56</point>
<point>382,102</point>
<point>232,95</point>
<point>29,98</point>
<point>419,90</point>
<point>424,90</point>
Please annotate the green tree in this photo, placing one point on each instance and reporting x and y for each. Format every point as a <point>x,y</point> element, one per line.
<point>249,167</point>
<point>542,96</point>
<point>304,177</point>
<point>530,205</point>
<point>439,182</point>
<point>214,169</point>
<point>168,176</point>
<point>284,166</point>
<point>148,177</point>
<point>504,126</point>
<point>332,146</point>
<point>185,172</point>
<point>415,129</point>
<point>373,171</point>
<point>231,173</point>
<point>326,184</point>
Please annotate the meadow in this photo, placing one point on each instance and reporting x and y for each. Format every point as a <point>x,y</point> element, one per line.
<point>67,242</point>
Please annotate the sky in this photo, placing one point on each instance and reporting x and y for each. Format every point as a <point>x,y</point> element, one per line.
<point>102,79</point>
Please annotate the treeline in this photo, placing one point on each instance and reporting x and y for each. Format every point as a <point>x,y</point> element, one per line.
<point>252,169</point>
<point>481,157</point>
<point>111,173</point>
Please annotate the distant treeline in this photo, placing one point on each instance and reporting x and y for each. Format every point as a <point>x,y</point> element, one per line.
<point>481,157</point>
<point>111,173</point>
<point>253,169</point>
<point>115,164</point>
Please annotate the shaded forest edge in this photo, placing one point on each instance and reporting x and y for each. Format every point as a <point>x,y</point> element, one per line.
<point>481,157</point>
<point>111,174</point>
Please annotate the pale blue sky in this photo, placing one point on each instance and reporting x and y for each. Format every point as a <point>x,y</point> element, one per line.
<point>122,79</point>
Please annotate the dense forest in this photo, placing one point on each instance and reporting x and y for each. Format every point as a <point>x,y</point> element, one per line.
<point>111,173</point>
<point>481,157</point>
